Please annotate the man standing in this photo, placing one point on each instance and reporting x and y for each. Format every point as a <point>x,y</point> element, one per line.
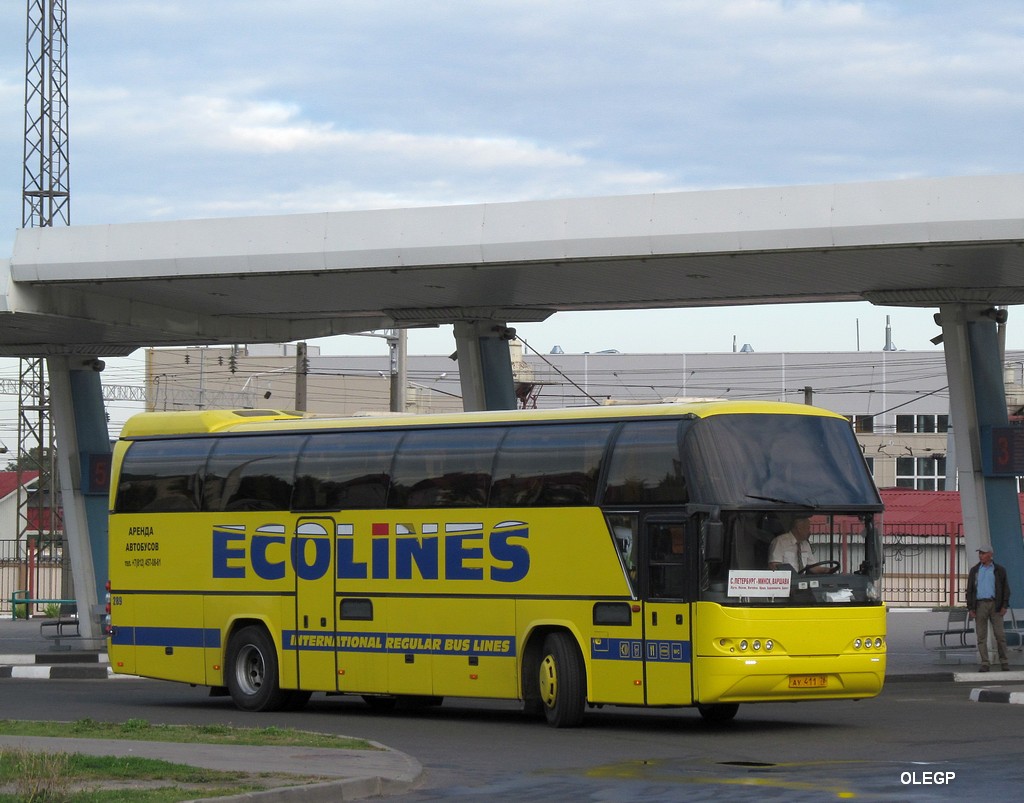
<point>988,597</point>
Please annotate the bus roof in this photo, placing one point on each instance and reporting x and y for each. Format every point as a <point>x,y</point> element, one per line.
<point>208,421</point>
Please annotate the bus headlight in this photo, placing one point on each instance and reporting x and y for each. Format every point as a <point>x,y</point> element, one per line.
<point>743,645</point>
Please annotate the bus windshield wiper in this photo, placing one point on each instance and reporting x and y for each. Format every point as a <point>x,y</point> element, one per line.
<point>782,501</point>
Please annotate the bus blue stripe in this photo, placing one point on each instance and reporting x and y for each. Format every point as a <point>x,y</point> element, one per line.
<point>166,636</point>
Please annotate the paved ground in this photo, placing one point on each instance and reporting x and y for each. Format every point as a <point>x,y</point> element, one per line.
<point>25,653</point>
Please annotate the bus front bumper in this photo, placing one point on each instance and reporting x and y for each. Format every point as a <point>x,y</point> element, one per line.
<point>784,678</point>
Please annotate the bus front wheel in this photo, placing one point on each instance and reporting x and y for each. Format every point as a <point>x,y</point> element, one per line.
<point>252,677</point>
<point>562,682</point>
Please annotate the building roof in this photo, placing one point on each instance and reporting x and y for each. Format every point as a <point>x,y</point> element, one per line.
<point>9,481</point>
<point>906,507</point>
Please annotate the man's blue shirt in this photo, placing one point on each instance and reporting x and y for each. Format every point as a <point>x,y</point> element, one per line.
<point>986,581</point>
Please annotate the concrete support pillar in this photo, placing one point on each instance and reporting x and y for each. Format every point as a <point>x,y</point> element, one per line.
<point>83,465</point>
<point>485,365</point>
<point>977,400</point>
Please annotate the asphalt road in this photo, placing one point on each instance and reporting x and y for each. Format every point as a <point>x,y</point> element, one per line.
<point>895,747</point>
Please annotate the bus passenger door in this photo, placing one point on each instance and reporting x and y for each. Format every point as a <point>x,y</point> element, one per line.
<point>668,593</point>
<point>315,636</point>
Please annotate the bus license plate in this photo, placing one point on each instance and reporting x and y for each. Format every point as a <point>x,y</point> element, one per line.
<point>808,681</point>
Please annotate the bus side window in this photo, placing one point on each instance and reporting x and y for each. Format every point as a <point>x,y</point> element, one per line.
<point>549,466</point>
<point>444,468</point>
<point>253,472</point>
<point>645,466</point>
<point>623,527</point>
<point>347,470</point>
<point>162,476</point>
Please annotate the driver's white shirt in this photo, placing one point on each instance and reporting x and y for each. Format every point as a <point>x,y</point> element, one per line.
<point>786,549</point>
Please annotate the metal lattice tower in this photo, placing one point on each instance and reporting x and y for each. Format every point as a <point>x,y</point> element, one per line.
<point>46,197</point>
<point>46,201</point>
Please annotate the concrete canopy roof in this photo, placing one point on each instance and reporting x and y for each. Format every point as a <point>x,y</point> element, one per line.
<point>106,290</point>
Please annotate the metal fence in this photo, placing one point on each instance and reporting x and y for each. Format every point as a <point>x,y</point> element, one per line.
<point>33,573</point>
<point>925,566</point>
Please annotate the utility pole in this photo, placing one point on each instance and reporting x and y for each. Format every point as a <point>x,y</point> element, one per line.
<point>397,351</point>
<point>301,374</point>
<point>46,201</point>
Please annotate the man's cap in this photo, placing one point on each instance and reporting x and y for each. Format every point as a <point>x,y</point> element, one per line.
<point>985,548</point>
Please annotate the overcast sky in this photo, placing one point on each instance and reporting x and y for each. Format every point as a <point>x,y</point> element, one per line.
<point>199,109</point>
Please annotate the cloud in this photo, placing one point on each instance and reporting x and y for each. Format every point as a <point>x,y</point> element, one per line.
<point>274,127</point>
<point>182,109</point>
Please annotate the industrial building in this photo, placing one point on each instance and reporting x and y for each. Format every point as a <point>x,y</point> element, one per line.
<point>897,401</point>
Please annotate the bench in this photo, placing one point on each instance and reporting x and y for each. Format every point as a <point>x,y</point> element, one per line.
<point>57,629</point>
<point>953,636</point>
<point>1013,626</point>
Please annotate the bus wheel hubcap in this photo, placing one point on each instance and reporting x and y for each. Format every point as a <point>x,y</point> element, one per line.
<point>548,681</point>
<point>250,670</point>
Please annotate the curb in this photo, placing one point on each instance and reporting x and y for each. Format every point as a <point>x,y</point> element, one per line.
<point>58,672</point>
<point>997,696</point>
<point>327,792</point>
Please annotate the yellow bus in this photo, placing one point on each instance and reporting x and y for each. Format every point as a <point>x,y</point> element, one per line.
<point>614,555</point>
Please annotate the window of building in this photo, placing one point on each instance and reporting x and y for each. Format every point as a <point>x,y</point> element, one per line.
<point>922,423</point>
<point>921,473</point>
<point>862,423</point>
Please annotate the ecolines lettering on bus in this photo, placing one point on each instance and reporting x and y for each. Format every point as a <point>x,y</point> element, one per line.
<point>400,555</point>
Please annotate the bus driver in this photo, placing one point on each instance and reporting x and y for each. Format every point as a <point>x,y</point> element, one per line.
<point>793,549</point>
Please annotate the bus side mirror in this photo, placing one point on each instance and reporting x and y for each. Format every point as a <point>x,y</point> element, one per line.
<point>714,540</point>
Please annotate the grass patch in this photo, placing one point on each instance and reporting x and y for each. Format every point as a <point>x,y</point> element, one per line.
<point>47,777</point>
<point>141,730</point>
<point>29,777</point>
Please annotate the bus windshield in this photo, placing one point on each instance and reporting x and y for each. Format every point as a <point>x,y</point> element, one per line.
<point>747,460</point>
<point>785,558</point>
<point>796,508</point>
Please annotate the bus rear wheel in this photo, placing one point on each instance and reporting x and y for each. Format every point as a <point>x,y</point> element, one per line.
<point>252,676</point>
<point>561,682</point>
